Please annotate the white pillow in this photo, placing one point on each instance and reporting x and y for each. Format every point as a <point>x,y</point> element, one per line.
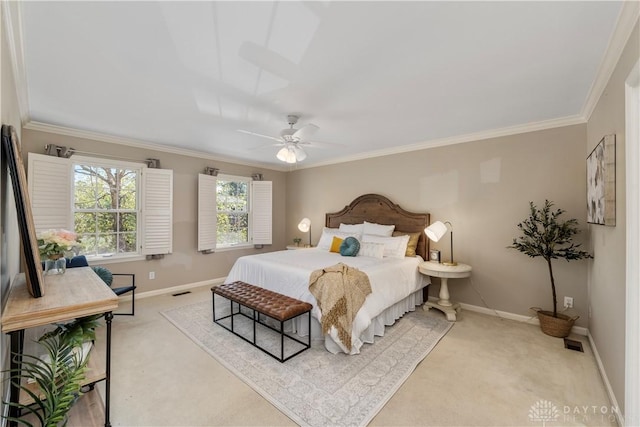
<point>327,237</point>
<point>352,228</point>
<point>394,247</point>
<point>378,229</point>
<point>370,249</point>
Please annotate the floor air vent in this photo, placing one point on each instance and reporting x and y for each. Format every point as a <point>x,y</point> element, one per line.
<point>573,345</point>
<point>181,293</point>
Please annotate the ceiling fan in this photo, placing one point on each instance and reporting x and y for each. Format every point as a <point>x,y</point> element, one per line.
<point>291,140</point>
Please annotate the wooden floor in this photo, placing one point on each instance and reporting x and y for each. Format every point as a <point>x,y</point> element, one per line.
<point>88,411</point>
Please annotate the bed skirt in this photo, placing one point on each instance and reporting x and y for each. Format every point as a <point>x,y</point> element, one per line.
<point>376,328</point>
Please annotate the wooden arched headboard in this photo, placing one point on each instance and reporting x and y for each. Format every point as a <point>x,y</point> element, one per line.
<point>379,209</point>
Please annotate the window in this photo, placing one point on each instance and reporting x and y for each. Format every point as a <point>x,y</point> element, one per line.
<point>232,205</point>
<point>119,209</point>
<point>233,212</point>
<point>105,208</point>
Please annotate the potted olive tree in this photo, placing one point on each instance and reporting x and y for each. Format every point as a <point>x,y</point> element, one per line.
<point>545,235</point>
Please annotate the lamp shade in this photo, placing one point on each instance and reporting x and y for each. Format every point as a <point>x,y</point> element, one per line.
<point>286,154</point>
<point>304,225</point>
<point>299,153</point>
<point>291,153</point>
<point>436,230</point>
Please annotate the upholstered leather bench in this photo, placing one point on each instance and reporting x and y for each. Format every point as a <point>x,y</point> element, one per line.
<point>268,303</point>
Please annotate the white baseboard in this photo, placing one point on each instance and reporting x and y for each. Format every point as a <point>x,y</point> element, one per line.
<point>532,320</point>
<point>605,380</point>
<point>176,289</point>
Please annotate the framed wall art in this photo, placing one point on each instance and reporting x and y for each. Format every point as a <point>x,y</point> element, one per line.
<point>30,252</point>
<point>601,183</point>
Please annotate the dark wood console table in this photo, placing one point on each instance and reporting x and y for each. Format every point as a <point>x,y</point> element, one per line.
<point>77,293</point>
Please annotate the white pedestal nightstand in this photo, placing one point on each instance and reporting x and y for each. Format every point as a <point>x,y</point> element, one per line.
<point>444,272</point>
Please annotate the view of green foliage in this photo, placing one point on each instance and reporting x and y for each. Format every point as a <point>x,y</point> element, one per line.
<point>233,212</point>
<point>105,215</point>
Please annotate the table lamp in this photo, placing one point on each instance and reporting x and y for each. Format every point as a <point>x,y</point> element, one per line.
<point>435,232</point>
<point>305,226</point>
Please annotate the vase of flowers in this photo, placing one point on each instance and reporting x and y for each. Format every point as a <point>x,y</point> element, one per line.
<point>52,245</point>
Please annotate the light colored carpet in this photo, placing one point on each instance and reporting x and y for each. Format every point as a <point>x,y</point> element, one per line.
<point>318,388</point>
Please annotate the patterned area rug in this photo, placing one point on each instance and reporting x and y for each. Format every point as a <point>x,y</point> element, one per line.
<point>317,388</point>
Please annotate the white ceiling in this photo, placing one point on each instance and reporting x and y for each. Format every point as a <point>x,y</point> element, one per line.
<point>374,76</point>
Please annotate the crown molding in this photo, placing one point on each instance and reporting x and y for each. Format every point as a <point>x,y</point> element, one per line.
<point>477,136</point>
<point>460,139</point>
<point>12,21</point>
<point>625,24</point>
<point>111,139</point>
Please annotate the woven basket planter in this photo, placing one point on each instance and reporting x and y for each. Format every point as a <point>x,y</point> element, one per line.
<point>555,326</point>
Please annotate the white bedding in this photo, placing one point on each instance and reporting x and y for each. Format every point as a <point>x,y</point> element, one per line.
<point>392,281</point>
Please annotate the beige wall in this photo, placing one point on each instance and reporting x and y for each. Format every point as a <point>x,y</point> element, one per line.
<point>483,188</point>
<point>10,239</point>
<point>185,265</point>
<point>10,116</point>
<point>607,270</point>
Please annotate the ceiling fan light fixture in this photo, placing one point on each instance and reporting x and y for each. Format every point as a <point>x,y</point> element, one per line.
<point>287,132</point>
<point>291,157</point>
<point>290,153</point>
<point>283,154</point>
<point>300,154</point>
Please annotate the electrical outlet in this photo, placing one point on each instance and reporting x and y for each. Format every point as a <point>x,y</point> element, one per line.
<point>152,275</point>
<point>568,302</point>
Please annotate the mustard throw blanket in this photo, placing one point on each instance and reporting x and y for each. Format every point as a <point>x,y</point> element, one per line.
<point>340,291</point>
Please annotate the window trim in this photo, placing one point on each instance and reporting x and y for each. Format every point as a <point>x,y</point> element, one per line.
<point>49,175</point>
<point>107,163</point>
<point>248,244</point>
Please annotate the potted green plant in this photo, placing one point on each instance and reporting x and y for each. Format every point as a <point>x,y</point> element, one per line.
<point>545,235</point>
<point>297,241</point>
<point>59,373</point>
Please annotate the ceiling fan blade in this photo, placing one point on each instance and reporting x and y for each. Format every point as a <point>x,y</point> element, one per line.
<point>305,132</point>
<point>260,135</point>
<point>263,146</point>
<point>316,144</point>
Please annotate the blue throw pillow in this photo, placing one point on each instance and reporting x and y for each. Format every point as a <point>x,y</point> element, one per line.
<point>350,247</point>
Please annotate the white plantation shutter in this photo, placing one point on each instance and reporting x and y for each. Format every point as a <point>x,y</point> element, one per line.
<point>157,211</point>
<point>50,183</point>
<point>261,216</point>
<point>207,213</point>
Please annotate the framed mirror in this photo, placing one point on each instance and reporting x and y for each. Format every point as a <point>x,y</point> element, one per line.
<point>30,253</point>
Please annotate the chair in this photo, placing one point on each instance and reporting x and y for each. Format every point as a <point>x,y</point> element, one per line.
<point>108,278</point>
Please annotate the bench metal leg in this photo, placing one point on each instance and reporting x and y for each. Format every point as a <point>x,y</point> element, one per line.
<point>254,326</point>
<point>255,318</point>
<point>281,341</point>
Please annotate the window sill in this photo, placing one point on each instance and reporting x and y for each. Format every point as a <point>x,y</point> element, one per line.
<point>99,260</point>
<point>233,248</point>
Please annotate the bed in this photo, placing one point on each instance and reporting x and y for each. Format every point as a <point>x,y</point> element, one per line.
<point>397,286</point>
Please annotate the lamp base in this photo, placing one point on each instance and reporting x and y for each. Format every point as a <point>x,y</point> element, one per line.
<point>450,264</point>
